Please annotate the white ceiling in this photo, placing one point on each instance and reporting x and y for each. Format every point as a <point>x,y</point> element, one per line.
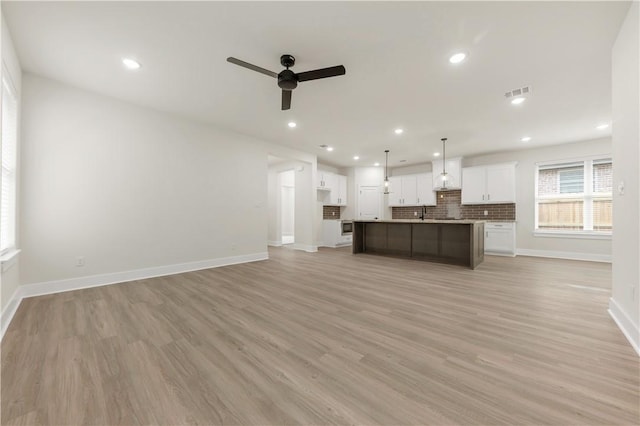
<point>396,57</point>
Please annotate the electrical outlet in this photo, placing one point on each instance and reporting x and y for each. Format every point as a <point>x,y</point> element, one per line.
<point>486,212</point>
<point>415,213</point>
<point>80,261</point>
<point>333,213</point>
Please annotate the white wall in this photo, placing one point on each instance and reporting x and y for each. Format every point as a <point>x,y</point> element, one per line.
<point>624,304</point>
<point>9,275</point>
<point>287,201</point>
<point>129,188</point>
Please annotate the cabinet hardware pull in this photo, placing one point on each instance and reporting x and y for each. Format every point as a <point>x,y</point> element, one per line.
<point>483,196</point>
<point>488,196</point>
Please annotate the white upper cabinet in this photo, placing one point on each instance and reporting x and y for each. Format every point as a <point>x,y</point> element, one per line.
<point>395,191</point>
<point>494,184</point>
<point>321,183</point>
<point>424,190</point>
<point>338,190</point>
<point>454,173</point>
<point>411,190</point>
<point>337,187</point>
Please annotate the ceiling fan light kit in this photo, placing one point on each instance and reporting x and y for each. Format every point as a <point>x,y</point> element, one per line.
<point>287,79</point>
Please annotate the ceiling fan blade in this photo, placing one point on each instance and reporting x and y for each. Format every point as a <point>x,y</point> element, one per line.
<point>252,67</point>
<point>286,99</point>
<point>321,73</point>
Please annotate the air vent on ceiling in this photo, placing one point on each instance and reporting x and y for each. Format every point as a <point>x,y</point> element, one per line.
<point>521,91</point>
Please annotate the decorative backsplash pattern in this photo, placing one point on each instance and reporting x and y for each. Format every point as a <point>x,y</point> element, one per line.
<point>449,206</point>
<point>330,212</point>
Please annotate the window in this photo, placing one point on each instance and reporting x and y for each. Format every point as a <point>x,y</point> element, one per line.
<point>8,160</point>
<point>575,196</point>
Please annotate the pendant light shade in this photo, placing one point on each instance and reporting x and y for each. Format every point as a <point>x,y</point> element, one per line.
<point>443,178</point>
<point>386,174</point>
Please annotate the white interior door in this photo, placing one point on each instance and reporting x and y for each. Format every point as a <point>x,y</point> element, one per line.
<point>369,202</point>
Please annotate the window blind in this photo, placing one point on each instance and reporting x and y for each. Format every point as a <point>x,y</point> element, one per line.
<point>9,179</point>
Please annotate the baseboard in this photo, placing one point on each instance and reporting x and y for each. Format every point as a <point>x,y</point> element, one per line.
<point>305,247</point>
<point>565,255</point>
<point>628,328</point>
<point>498,253</point>
<point>274,243</point>
<point>10,310</point>
<point>58,286</point>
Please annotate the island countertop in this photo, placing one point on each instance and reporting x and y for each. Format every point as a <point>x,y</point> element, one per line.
<point>455,241</point>
<point>448,221</point>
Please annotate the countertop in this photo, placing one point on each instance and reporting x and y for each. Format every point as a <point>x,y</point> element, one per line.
<point>452,221</point>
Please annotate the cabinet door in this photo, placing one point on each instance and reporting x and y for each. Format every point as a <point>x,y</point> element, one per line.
<point>331,183</point>
<point>395,191</point>
<point>474,188</point>
<point>425,193</point>
<point>501,184</point>
<point>320,180</point>
<point>499,241</point>
<point>342,190</point>
<point>409,192</point>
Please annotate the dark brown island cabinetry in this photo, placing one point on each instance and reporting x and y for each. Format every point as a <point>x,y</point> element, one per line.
<point>459,242</point>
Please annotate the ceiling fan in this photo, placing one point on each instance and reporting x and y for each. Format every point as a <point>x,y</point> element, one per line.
<point>287,79</point>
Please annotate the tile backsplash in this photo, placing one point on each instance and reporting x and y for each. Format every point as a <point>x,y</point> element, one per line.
<point>330,212</point>
<point>449,206</point>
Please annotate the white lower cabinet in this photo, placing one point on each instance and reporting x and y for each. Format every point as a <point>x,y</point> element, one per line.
<point>500,238</point>
<point>332,234</point>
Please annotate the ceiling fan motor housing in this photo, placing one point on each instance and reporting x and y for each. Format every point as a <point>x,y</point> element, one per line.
<point>287,80</point>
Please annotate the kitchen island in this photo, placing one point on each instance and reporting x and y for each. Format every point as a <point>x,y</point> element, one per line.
<point>459,242</point>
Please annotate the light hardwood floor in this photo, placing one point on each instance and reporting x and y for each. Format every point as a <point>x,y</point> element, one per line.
<point>327,338</point>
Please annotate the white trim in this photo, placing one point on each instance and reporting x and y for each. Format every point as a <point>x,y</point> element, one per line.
<point>58,286</point>
<point>8,259</point>
<point>590,257</point>
<point>274,243</point>
<point>628,328</point>
<point>305,247</point>
<point>10,310</point>
<point>589,235</point>
<point>498,253</point>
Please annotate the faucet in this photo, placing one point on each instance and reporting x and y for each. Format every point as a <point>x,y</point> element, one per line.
<point>423,212</point>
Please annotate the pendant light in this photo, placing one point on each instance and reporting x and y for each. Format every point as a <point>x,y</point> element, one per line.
<point>443,178</point>
<point>386,175</point>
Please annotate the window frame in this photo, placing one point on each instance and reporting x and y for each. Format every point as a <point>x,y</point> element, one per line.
<point>11,250</point>
<point>588,196</point>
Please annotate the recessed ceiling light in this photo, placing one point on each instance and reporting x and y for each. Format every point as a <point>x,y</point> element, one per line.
<point>398,131</point>
<point>457,58</point>
<point>130,63</point>
<point>517,101</point>
<point>525,139</point>
<point>355,157</point>
<point>376,164</point>
<point>436,154</point>
<point>602,126</point>
<point>292,124</point>
<point>329,148</point>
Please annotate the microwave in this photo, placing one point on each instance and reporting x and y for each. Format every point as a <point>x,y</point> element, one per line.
<point>346,227</point>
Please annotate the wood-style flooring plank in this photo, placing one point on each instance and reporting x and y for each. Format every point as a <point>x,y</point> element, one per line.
<point>327,338</point>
